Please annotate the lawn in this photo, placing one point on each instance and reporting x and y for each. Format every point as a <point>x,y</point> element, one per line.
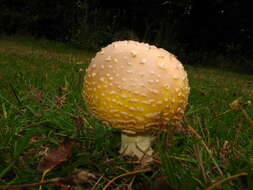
<point>46,131</point>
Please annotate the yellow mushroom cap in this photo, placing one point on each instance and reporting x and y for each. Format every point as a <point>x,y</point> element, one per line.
<point>136,87</point>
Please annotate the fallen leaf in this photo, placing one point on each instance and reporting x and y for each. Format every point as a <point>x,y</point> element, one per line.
<point>61,101</point>
<point>57,156</point>
<point>82,177</point>
<point>158,184</point>
<point>236,104</point>
<point>79,179</point>
<point>39,96</point>
<point>34,140</point>
<point>65,187</point>
<point>63,89</point>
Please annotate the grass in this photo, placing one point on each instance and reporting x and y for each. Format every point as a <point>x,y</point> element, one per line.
<point>41,105</point>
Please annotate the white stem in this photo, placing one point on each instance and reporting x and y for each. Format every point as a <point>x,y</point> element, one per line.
<point>134,145</point>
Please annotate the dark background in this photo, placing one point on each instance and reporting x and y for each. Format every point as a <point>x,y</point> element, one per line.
<point>207,32</point>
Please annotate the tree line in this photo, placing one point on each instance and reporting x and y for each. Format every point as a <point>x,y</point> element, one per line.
<point>185,27</point>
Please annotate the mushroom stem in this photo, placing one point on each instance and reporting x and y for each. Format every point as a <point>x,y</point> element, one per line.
<point>137,145</point>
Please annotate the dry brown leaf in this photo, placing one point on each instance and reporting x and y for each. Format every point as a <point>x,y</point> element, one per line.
<point>65,187</point>
<point>236,104</point>
<point>39,96</point>
<point>63,89</point>
<point>57,156</point>
<point>61,101</point>
<point>158,184</point>
<point>81,177</point>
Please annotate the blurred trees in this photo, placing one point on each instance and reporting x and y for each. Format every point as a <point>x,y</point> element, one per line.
<point>183,26</point>
<point>50,19</point>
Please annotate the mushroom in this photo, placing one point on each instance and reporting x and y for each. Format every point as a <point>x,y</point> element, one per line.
<point>137,88</point>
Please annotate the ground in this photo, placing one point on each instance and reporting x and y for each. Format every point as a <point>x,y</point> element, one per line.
<point>45,127</point>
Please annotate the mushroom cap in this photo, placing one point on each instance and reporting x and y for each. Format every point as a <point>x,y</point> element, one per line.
<point>136,87</point>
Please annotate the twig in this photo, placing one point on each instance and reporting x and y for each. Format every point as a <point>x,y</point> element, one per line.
<point>131,183</point>
<point>53,181</point>
<point>247,116</point>
<point>129,162</point>
<point>201,163</point>
<point>110,162</point>
<point>95,185</point>
<point>226,179</point>
<point>123,175</point>
<point>44,175</point>
<point>238,105</point>
<point>206,147</point>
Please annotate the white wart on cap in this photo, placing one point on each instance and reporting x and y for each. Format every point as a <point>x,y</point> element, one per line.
<point>138,88</point>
